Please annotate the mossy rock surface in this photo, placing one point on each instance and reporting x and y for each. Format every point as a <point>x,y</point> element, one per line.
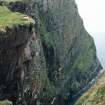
<point>10,19</point>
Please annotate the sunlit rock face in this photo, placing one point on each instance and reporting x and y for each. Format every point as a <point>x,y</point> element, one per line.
<point>59,58</point>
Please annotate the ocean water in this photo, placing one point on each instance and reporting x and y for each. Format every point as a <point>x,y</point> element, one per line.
<point>99,39</point>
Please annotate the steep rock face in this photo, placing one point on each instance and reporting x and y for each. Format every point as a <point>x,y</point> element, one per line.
<point>69,50</point>
<point>11,60</point>
<point>61,56</point>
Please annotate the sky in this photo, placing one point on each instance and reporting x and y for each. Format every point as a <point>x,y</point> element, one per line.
<point>93,15</point>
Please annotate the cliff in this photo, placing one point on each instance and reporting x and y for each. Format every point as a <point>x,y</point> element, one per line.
<point>56,53</point>
<point>95,95</point>
<point>15,32</point>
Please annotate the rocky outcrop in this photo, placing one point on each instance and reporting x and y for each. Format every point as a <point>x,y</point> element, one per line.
<point>14,37</point>
<point>59,58</point>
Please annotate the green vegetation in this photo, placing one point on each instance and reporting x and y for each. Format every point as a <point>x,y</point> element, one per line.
<point>10,19</point>
<point>6,102</point>
<point>86,54</point>
<point>96,95</point>
<point>45,35</point>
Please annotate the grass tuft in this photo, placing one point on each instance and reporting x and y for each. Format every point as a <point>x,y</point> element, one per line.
<point>10,19</point>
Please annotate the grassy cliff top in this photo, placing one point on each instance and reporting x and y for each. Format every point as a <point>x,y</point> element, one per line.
<point>95,95</point>
<point>10,19</point>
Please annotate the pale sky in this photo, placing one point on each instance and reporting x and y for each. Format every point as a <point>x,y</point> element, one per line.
<point>93,14</point>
